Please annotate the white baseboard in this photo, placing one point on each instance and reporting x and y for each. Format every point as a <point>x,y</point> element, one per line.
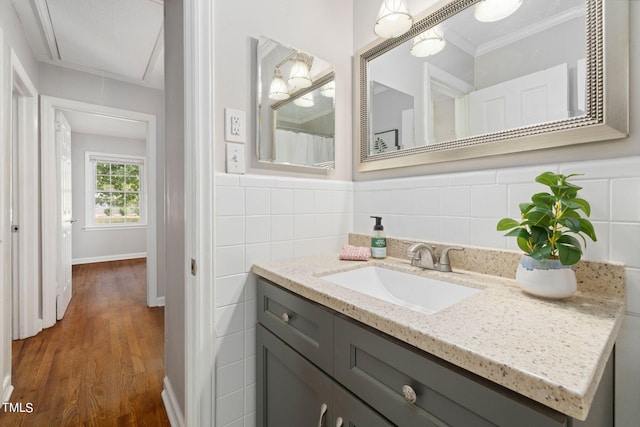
<point>118,257</point>
<point>160,302</point>
<point>7,388</point>
<point>176,419</point>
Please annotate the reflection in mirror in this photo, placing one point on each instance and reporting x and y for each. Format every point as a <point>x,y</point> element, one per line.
<point>464,78</point>
<point>538,75</point>
<point>296,107</point>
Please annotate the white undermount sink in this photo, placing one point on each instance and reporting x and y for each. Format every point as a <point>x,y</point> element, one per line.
<point>415,292</point>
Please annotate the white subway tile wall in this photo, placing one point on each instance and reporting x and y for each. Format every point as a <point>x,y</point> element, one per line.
<point>287,217</point>
<point>263,218</point>
<point>464,208</point>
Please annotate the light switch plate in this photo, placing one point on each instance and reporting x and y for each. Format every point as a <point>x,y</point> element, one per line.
<point>235,158</point>
<point>235,126</point>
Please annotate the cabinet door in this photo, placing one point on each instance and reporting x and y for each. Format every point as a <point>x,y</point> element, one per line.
<point>290,390</point>
<point>349,411</point>
<point>412,389</point>
<point>303,325</point>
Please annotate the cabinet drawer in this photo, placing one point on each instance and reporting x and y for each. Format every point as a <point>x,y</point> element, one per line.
<point>290,390</point>
<point>376,370</point>
<point>303,325</point>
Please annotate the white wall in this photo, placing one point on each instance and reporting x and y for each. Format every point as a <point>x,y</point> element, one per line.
<point>261,218</point>
<point>76,85</point>
<point>460,202</point>
<point>365,14</point>
<point>11,37</point>
<point>101,245</point>
<point>5,237</point>
<point>321,28</point>
<point>173,266</point>
<point>14,38</point>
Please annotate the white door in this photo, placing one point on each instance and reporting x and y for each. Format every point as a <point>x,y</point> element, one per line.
<point>63,278</point>
<point>535,98</point>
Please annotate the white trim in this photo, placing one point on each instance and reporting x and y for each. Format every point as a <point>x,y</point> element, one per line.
<point>27,314</point>
<point>199,119</point>
<point>529,30</point>
<point>48,173</point>
<point>128,226</point>
<point>107,258</point>
<point>5,240</point>
<point>176,419</point>
<point>90,158</point>
<point>160,302</point>
<point>7,388</point>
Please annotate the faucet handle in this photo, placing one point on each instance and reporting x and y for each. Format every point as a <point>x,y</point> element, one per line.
<point>444,264</point>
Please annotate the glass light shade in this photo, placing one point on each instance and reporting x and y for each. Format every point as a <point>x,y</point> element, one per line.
<point>299,78</point>
<point>393,19</point>
<point>495,10</point>
<point>278,91</point>
<point>305,100</point>
<point>428,43</point>
<point>329,89</point>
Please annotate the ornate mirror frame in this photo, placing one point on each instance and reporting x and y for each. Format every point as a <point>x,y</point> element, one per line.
<point>607,94</point>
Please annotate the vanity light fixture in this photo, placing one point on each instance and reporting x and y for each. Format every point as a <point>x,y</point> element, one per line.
<point>495,10</point>
<point>428,43</point>
<point>393,19</point>
<point>300,76</point>
<point>278,91</point>
<point>305,100</point>
<point>329,89</point>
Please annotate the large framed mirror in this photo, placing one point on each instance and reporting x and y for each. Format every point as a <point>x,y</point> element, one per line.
<point>295,107</point>
<point>554,72</point>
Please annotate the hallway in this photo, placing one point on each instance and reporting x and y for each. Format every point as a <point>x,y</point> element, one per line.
<point>102,365</point>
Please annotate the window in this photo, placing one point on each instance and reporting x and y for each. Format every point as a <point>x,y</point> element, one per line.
<point>115,190</point>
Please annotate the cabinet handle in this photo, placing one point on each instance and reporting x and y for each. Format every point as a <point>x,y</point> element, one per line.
<point>339,422</point>
<point>409,394</point>
<point>323,410</point>
<point>285,317</point>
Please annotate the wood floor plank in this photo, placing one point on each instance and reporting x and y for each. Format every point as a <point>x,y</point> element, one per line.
<point>103,364</point>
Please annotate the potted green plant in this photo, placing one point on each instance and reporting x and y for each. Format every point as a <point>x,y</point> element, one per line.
<point>550,233</point>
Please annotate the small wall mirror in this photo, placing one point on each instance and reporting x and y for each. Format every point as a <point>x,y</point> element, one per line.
<point>295,107</point>
<point>457,86</point>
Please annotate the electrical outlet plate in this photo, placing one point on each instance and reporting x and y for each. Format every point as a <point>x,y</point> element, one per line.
<point>235,158</point>
<point>235,126</point>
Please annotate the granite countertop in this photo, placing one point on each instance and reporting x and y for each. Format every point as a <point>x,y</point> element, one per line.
<point>553,352</point>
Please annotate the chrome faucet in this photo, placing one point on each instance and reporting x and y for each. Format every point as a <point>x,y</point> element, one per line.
<point>424,256</point>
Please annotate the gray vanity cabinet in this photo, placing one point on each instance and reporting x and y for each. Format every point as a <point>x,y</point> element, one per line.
<point>413,389</point>
<point>293,392</point>
<point>303,325</point>
<point>308,356</point>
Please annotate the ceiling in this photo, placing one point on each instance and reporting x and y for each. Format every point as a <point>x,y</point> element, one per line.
<point>119,39</point>
<point>96,124</point>
<point>477,38</point>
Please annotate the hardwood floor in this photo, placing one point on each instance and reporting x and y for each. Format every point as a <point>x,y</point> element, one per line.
<point>102,365</point>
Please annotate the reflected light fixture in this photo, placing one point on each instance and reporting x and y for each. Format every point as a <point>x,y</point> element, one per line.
<point>300,76</point>
<point>305,100</point>
<point>428,43</point>
<point>393,19</point>
<point>495,10</point>
<point>278,91</point>
<point>329,89</point>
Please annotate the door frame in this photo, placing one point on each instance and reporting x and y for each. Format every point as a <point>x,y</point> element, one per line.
<point>199,142</point>
<point>6,389</point>
<point>26,316</point>
<point>48,107</point>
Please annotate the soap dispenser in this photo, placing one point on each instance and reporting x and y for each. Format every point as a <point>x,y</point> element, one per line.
<point>378,239</point>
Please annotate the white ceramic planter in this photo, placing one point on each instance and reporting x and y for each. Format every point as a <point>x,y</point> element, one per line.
<point>547,278</point>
